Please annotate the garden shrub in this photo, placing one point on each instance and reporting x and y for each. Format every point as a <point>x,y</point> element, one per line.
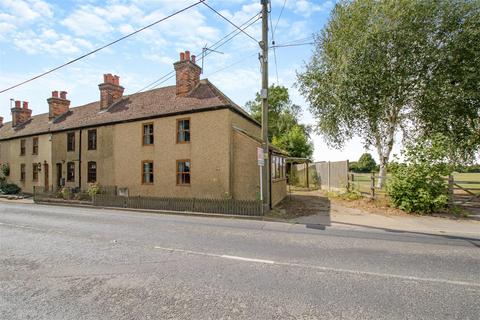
<point>5,169</point>
<point>419,185</point>
<point>65,193</point>
<point>9,188</point>
<point>93,189</point>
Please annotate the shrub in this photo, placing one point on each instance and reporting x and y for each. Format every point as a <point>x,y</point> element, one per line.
<point>419,184</point>
<point>65,193</point>
<point>93,189</point>
<point>9,188</point>
<point>5,169</point>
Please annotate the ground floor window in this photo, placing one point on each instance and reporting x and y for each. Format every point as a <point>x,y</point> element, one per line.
<point>92,171</point>
<point>147,172</point>
<point>22,172</point>
<point>278,167</point>
<point>35,169</point>
<point>70,171</point>
<point>183,172</point>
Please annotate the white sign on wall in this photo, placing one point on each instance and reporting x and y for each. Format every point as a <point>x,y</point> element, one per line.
<point>260,159</point>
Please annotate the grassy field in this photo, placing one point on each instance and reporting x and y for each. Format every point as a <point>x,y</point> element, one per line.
<point>362,181</point>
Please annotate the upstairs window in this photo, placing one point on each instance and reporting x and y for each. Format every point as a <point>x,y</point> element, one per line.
<point>71,141</point>
<point>183,172</point>
<point>23,143</point>
<point>148,134</point>
<point>70,171</point>
<point>22,172</point>
<point>147,172</point>
<point>92,172</point>
<point>183,130</point>
<point>35,145</point>
<point>92,139</point>
<point>35,168</point>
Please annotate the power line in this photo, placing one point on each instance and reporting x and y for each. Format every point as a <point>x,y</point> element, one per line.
<point>229,21</point>
<point>103,47</point>
<point>232,64</point>
<point>273,43</point>
<point>214,46</point>
<point>292,45</point>
<point>279,16</point>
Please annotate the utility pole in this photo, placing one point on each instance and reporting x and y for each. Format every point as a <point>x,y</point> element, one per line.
<point>264,96</point>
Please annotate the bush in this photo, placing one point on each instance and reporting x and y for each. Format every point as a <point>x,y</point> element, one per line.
<point>93,189</point>
<point>9,188</point>
<point>5,169</point>
<point>65,193</point>
<point>419,184</point>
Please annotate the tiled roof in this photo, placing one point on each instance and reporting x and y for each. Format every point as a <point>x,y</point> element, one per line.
<point>152,103</point>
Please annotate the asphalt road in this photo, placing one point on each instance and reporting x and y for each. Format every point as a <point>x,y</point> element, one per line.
<point>75,263</point>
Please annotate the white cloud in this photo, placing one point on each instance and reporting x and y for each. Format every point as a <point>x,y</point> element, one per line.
<point>25,11</point>
<point>86,23</point>
<point>49,41</point>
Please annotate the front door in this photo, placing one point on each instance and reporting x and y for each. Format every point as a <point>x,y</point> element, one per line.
<point>45,172</point>
<point>59,175</point>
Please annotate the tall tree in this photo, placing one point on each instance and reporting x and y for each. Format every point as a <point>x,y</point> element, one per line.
<point>366,163</point>
<point>378,65</point>
<point>284,129</point>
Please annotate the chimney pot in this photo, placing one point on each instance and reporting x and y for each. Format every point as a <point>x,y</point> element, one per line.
<point>54,94</point>
<point>63,95</point>
<point>20,115</point>
<point>187,74</point>
<point>110,90</point>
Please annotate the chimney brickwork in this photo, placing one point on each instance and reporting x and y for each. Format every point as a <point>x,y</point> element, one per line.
<point>20,114</point>
<point>58,105</point>
<point>187,73</point>
<point>110,90</point>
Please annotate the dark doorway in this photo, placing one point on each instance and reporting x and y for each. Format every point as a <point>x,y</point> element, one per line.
<point>45,172</point>
<point>59,174</point>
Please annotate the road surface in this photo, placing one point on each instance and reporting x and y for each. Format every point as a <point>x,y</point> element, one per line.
<point>81,263</point>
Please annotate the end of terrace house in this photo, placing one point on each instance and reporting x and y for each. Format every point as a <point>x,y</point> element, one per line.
<point>188,140</point>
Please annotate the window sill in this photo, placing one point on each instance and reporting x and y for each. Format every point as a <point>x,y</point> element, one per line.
<point>183,185</point>
<point>147,184</point>
<point>279,179</point>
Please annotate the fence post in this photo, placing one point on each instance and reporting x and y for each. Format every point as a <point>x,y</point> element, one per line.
<point>372,185</point>
<point>450,190</point>
<point>328,175</point>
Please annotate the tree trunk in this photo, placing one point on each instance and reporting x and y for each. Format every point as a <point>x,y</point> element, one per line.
<point>383,171</point>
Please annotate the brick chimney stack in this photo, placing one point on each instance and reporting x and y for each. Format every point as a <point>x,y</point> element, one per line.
<point>57,105</point>
<point>20,114</point>
<point>110,90</point>
<point>187,73</point>
<point>1,122</point>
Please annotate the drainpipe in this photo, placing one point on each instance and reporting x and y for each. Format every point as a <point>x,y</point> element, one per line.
<point>80,161</point>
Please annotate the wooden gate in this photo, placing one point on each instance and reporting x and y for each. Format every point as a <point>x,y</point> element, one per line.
<point>463,193</point>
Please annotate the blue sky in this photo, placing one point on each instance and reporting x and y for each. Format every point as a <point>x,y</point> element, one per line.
<point>36,35</point>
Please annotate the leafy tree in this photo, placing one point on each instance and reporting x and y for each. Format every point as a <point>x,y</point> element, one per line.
<point>418,184</point>
<point>284,129</point>
<point>366,163</point>
<point>382,66</point>
<point>295,142</point>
